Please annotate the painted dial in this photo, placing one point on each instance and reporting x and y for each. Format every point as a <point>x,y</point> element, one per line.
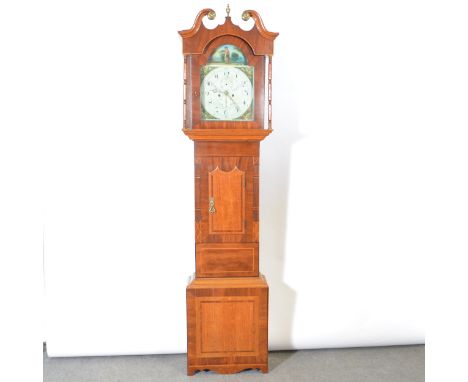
<point>226,94</point>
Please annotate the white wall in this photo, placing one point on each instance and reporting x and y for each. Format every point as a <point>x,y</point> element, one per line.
<point>347,177</point>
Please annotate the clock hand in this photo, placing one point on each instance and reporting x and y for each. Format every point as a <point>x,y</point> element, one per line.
<point>232,99</point>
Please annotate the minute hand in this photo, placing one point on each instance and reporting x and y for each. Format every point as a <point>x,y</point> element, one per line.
<point>232,99</point>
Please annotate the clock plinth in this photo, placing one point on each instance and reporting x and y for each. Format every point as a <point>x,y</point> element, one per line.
<point>227,321</point>
<point>227,112</point>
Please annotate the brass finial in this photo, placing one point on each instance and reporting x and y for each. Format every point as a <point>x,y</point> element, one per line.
<point>211,15</point>
<point>228,11</point>
<point>245,15</point>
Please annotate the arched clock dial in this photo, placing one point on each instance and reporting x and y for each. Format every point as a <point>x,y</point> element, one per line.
<point>226,92</point>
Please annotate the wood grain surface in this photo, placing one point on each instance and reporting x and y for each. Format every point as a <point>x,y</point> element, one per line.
<point>227,324</point>
<point>227,301</point>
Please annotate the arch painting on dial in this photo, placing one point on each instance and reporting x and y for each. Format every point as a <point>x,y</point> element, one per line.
<point>227,54</point>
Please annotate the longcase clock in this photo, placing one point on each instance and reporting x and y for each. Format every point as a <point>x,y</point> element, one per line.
<point>227,112</point>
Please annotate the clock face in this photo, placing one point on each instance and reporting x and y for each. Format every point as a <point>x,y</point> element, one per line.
<point>226,93</point>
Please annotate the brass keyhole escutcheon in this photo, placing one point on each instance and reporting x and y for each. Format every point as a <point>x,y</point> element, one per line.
<point>211,208</point>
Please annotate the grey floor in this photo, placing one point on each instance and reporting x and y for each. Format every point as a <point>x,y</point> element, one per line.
<point>379,364</point>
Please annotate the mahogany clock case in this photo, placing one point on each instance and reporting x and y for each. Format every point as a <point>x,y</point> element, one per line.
<point>227,301</point>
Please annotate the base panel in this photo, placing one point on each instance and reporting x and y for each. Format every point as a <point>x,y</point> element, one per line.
<point>227,324</point>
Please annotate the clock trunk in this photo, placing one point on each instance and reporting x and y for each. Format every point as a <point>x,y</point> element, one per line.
<point>226,208</point>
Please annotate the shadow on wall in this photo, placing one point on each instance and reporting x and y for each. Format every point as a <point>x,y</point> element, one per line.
<point>275,173</point>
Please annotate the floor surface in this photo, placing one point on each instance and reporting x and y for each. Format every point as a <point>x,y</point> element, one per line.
<point>379,364</point>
